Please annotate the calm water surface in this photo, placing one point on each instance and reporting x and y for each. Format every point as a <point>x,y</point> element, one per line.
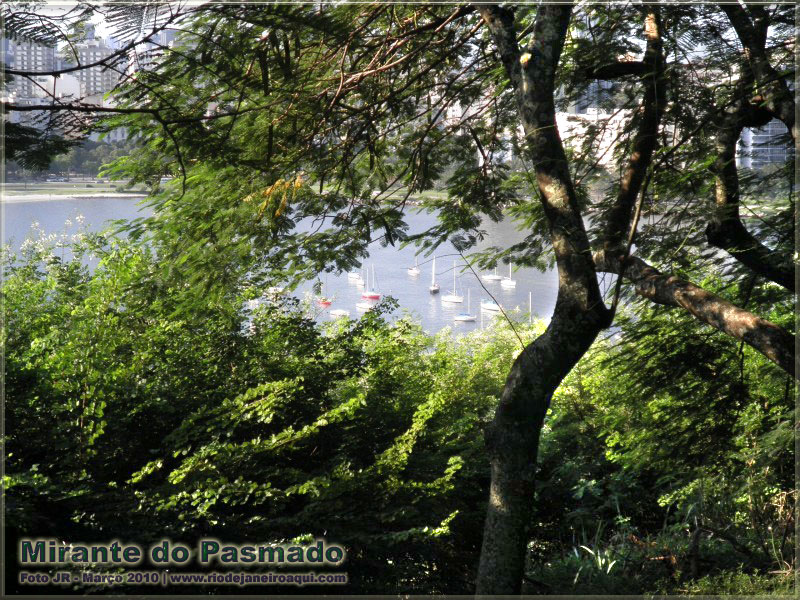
<point>390,264</point>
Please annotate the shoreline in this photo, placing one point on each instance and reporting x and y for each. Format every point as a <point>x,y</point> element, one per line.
<point>20,198</point>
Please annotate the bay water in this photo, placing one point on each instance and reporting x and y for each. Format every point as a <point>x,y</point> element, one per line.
<point>63,217</point>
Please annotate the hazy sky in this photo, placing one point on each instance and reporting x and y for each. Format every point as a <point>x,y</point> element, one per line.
<point>61,8</point>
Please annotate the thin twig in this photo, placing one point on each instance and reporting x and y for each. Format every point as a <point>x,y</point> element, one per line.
<point>631,236</point>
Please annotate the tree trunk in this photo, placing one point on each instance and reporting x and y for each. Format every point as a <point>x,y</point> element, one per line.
<point>513,442</point>
<point>579,315</point>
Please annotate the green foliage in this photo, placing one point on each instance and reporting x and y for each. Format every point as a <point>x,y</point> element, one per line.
<point>88,157</point>
<point>146,400</point>
<point>126,421</point>
<point>30,148</point>
<point>137,411</point>
<point>738,583</point>
<point>679,474</point>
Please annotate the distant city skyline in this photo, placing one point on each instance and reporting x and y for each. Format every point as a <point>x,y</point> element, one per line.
<point>757,146</point>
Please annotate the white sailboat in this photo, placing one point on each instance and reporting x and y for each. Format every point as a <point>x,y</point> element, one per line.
<point>414,271</point>
<point>494,277</point>
<point>453,296</point>
<point>466,317</point>
<point>507,282</point>
<point>355,277</point>
<point>372,293</point>
<point>490,305</point>
<point>434,289</point>
<point>338,313</point>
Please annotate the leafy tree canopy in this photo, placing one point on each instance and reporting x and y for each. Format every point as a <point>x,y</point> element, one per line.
<point>298,133</point>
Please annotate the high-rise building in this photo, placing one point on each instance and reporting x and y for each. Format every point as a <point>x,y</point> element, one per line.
<point>100,79</point>
<point>765,145</point>
<point>25,55</point>
<point>87,85</point>
<point>146,56</point>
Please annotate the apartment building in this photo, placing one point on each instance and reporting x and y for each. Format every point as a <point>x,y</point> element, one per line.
<point>99,79</point>
<point>147,55</point>
<point>27,56</point>
<point>766,145</point>
<point>87,85</point>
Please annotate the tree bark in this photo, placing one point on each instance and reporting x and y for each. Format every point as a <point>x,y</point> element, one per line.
<point>752,33</point>
<point>620,214</point>
<point>513,441</point>
<point>725,229</point>
<point>772,341</point>
<point>513,436</point>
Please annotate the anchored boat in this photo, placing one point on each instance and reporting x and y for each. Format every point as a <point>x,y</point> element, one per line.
<point>490,305</point>
<point>372,293</point>
<point>494,277</point>
<point>434,289</point>
<point>414,271</point>
<point>453,297</point>
<point>465,317</point>
<point>507,282</point>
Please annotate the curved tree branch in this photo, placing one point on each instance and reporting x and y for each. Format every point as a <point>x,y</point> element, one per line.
<point>752,33</point>
<point>616,70</point>
<point>725,229</point>
<point>772,341</point>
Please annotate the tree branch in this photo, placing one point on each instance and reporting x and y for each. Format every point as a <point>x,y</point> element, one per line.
<point>644,143</point>
<point>772,341</point>
<point>752,34</point>
<point>76,107</point>
<point>117,56</point>
<point>725,229</point>
<point>616,70</point>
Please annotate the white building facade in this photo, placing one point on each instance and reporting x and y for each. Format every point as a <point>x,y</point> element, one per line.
<point>766,145</point>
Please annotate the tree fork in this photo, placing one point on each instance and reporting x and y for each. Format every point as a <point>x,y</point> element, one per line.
<point>752,34</point>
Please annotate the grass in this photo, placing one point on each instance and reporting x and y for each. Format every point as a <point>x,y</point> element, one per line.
<point>737,583</point>
<point>60,188</point>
